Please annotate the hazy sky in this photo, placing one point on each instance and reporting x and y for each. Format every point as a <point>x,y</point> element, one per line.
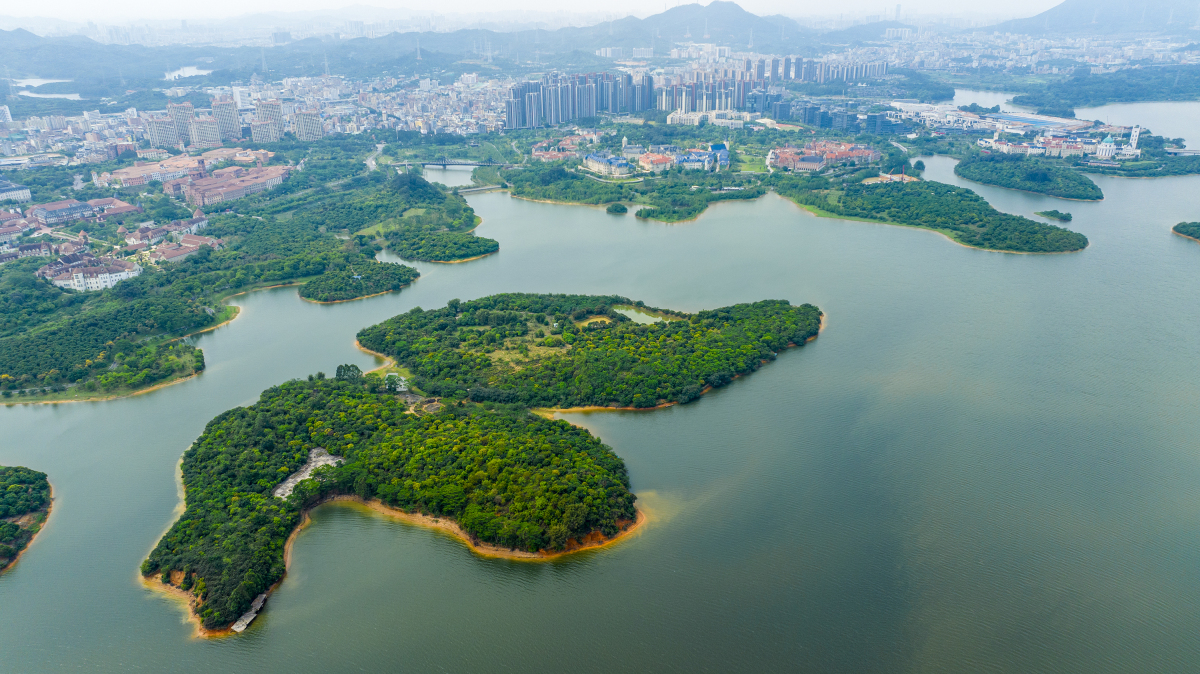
<point>132,10</point>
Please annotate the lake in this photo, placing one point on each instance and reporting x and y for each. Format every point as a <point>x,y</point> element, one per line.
<point>986,462</point>
<point>186,71</point>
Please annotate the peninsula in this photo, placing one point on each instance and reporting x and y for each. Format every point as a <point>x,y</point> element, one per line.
<point>24,506</point>
<point>475,461</point>
<point>1018,172</point>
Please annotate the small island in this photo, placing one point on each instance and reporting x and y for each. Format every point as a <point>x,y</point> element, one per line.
<point>1189,230</point>
<point>466,454</point>
<point>356,281</point>
<point>1019,172</point>
<point>24,506</point>
<point>1055,215</point>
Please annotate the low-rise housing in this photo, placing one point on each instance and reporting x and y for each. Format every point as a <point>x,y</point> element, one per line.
<point>108,273</point>
<point>58,212</point>
<point>654,162</point>
<point>236,183</point>
<point>12,191</point>
<point>606,164</point>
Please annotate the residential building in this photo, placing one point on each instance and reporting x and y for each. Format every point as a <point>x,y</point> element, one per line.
<point>608,165</point>
<point>264,132</point>
<point>14,192</point>
<point>205,132</point>
<point>308,125</point>
<point>270,112</point>
<point>654,162</point>
<point>108,273</point>
<point>229,124</point>
<point>234,183</point>
<point>57,212</point>
<point>162,132</point>
<point>181,115</point>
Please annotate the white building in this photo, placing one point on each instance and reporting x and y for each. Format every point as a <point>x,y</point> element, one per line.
<point>205,132</point>
<point>97,278</point>
<point>307,126</point>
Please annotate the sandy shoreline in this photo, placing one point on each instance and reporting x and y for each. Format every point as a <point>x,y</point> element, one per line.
<point>41,528</point>
<point>387,360</point>
<point>1184,235</point>
<point>593,541</point>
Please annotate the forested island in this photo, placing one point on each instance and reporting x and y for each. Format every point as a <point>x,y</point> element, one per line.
<point>24,506</point>
<point>567,351</point>
<point>956,212</point>
<point>1017,172</point>
<point>1055,214</point>
<point>1189,229</point>
<point>1084,89</point>
<point>476,456</point>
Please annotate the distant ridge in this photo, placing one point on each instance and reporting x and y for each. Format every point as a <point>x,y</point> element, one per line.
<point>1107,17</point>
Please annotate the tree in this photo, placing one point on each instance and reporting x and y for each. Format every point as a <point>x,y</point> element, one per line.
<point>348,372</point>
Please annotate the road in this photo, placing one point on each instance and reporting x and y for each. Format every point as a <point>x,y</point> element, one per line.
<point>372,156</point>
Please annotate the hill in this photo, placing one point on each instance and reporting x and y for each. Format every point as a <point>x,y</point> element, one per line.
<point>1109,17</point>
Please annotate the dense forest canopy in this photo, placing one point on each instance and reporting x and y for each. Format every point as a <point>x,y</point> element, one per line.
<point>24,501</point>
<point>1018,172</point>
<point>958,212</point>
<point>506,476</point>
<point>575,350</point>
<point>1188,229</point>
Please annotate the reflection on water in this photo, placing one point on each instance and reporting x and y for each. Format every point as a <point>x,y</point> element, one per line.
<point>186,71</point>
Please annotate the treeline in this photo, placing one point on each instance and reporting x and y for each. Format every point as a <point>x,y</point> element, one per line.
<point>958,212</point>
<point>551,357</point>
<point>1017,172</point>
<point>23,492</point>
<point>507,477</point>
<point>1085,90</point>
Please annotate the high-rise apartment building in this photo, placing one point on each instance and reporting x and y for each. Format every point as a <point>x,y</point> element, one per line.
<point>162,132</point>
<point>182,115</point>
<point>205,132</point>
<point>226,113</point>
<point>5,115</point>
<point>270,112</point>
<point>307,125</point>
<point>264,132</point>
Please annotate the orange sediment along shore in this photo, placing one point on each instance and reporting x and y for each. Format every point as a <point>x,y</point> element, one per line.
<point>41,528</point>
<point>592,541</point>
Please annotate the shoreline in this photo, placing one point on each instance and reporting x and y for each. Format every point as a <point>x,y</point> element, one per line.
<point>237,311</point>
<point>107,398</point>
<point>465,259</point>
<point>1184,235</point>
<point>387,360</point>
<point>816,211</point>
<point>592,541</point>
<point>449,526</point>
<point>33,539</point>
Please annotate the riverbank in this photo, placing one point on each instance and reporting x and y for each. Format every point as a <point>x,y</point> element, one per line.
<point>45,518</point>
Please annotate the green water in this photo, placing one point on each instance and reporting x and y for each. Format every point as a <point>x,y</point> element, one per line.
<point>986,462</point>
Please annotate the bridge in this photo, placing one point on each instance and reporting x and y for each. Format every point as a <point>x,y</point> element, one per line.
<point>444,162</point>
